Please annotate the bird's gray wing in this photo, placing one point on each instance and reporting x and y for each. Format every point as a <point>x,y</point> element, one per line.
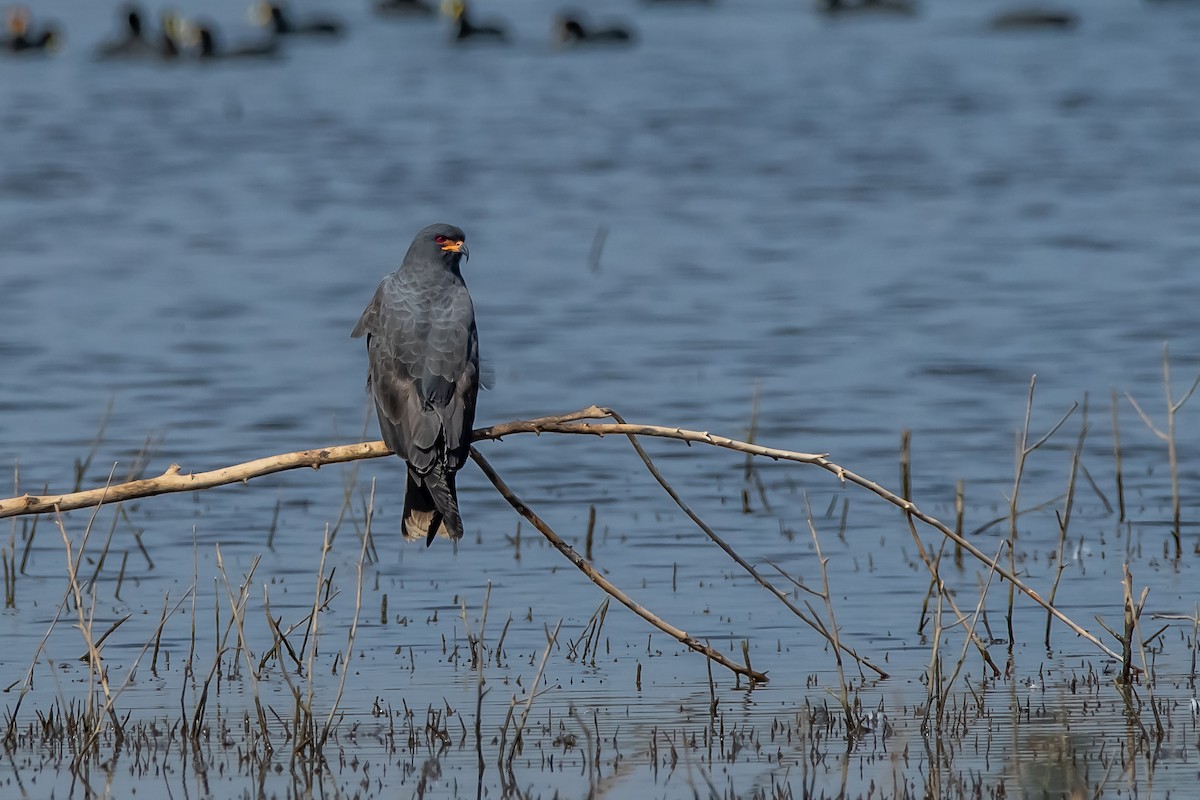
<point>423,356</point>
<point>393,350</point>
<point>369,321</point>
<point>487,374</point>
<point>450,381</point>
<point>458,418</point>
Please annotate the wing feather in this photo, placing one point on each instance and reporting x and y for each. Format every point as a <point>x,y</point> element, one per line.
<point>423,354</point>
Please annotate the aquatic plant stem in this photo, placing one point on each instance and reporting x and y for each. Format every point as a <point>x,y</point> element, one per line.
<point>1064,517</point>
<point>1024,450</point>
<point>1116,431</point>
<point>843,695</point>
<point>933,563</point>
<point>551,640</point>
<point>237,607</point>
<point>1168,436</point>
<point>327,728</point>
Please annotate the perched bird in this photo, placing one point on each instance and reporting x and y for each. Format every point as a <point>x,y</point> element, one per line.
<point>423,374</point>
<point>404,8</point>
<point>282,24</point>
<point>1031,18</point>
<point>569,29</point>
<point>465,30</point>
<point>20,36</point>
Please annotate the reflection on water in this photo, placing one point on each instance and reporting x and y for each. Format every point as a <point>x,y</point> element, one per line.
<point>887,224</point>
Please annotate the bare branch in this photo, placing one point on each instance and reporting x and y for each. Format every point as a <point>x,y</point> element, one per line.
<point>174,481</point>
<point>1053,430</point>
<point>1180,403</point>
<point>1145,418</point>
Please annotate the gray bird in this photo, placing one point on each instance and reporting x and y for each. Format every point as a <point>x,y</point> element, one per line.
<point>423,373</point>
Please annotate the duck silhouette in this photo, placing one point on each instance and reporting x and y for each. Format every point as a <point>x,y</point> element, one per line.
<point>282,23</point>
<point>404,8</point>
<point>466,30</point>
<point>169,34</point>
<point>570,29</point>
<point>20,37</point>
<point>1033,18</point>
<point>209,47</point>
<point>134,43</point>
<point>836,8</point>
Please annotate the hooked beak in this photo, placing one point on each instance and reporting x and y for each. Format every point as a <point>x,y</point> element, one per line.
<point>457,247</point>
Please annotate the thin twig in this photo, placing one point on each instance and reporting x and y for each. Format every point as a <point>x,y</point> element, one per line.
<point>1064,518</point>
<point>604,583</point>
<point>353,632</point>
<point>551,639</point>
<point>741,562</point>
<point>1168,436</point>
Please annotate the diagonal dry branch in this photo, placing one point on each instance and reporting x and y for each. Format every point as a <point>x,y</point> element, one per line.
<point>605,584</point>
<point>173,480</point>
<point>782,597</point>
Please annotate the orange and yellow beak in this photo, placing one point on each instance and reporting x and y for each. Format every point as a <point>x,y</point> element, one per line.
<point>458,246</point>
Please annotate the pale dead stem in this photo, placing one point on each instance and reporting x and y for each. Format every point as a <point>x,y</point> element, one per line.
<point>174,480</point>
<point>1168,436</point>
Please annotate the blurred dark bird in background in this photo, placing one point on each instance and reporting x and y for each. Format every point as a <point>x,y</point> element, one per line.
<point>570,29</point>
<point>209,46</point>
<point>168,35</point>
<point>131,43</point>
<point>836,8</point>
<point>134,42</point>
<point>402,8</point>
<point>1031,18</point>
<point>466,30</point>
<point>282,23</point>
<point>20,36</point>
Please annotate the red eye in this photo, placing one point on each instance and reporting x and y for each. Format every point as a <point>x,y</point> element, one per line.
<point>440,239</point>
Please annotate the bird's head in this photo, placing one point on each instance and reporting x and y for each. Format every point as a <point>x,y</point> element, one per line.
<point>447,241</point>
<point>568,29</point>
<point>133,20</point>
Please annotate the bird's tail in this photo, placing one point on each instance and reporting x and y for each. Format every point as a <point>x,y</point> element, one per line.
<point>431,507</point>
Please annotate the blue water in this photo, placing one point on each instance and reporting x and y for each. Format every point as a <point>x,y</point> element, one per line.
<point>883,224</point>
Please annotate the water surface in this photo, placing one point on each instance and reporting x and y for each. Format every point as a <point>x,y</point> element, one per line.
<point>886,225</point>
